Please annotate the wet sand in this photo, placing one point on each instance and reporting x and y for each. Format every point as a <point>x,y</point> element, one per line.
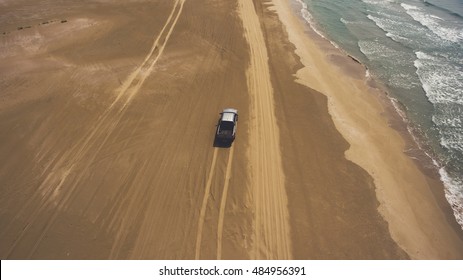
<point>107,118</point>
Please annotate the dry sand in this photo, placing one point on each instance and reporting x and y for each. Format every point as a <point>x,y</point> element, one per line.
<point>107,119</point>
<point>271,238</point>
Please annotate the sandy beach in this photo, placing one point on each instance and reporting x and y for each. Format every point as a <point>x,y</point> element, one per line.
<point>108,111</point>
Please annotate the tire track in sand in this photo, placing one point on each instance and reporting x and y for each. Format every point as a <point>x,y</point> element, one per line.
<point>133,84</point>
<point>207,194</point>
<point>271,238</point>
<point>202,213</point>
<point>223,203</point>
<point>89,145</point>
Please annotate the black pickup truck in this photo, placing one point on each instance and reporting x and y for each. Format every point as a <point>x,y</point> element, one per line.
<point>226,128</point>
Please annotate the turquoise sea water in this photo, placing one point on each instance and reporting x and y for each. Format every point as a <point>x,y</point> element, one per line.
<point>414,48</point>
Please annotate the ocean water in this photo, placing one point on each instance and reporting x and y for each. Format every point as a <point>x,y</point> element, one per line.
<point>415,49</point>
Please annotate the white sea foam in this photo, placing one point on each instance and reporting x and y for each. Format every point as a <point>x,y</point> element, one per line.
<point>443,83</point>
<point>378,2</point>
<point>448,121</point>
<point>434,23</point>
<point>394,28</point>
<point>374,50</point>
<point>403,80</point>
<point>350,22</point>
<point>398,109</point>
<point>441,80</point>
<point>346,22</point>
<point>452,141</point>
<point>407,32</point>
<point>367,74</point>
<point>454,194</point>
<point>390,59</point>
<point>309,18</point>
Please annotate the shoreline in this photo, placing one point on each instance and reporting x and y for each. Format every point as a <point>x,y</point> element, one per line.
<point>418,147</point>
<point>392,211</point>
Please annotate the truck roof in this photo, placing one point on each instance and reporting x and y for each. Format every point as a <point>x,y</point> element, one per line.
<point>229,114</point>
